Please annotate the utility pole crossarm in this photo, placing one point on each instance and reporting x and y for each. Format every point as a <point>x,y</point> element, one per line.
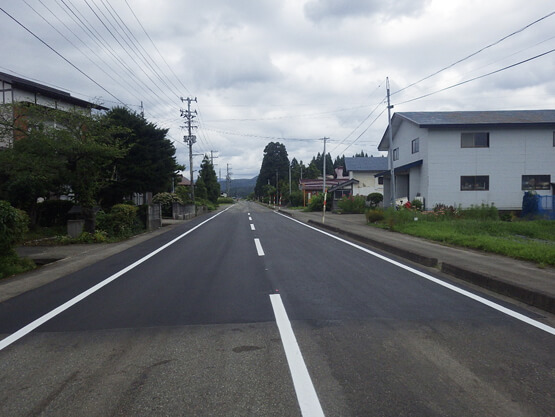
<point>190,139</point>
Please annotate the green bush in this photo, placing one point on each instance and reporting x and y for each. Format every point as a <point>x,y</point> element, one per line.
<point>317,203</point>
<point>375,199</point>
<point>296,198</point>
<point>374,215</point>
<point>352,204</point>
<point>225,200</point>
<point>122,221</point>
<point>482,212</point>
<point>166,200</point>
<point>416,205</point>
<point>13,225</point>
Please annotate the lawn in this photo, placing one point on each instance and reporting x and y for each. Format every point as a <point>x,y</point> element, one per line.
<point>532,240</point>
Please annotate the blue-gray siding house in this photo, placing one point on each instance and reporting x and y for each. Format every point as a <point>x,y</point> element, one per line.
<point>470,158</point>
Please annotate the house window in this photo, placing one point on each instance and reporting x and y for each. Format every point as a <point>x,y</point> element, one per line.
<point>380,180</point>
<point>475,140</point>
<point>536,182</point>
<point>415,145</point>
<point>395,154</point>
<point>475,183</point>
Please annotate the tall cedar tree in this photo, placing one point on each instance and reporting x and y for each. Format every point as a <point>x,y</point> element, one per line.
<point>208,177</point>
<point>150,163</point>
<point>275,160</point>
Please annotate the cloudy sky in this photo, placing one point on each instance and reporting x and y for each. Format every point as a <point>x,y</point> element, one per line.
<point>291,71</point>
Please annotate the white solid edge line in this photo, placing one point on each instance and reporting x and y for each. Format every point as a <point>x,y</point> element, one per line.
<point>43,319</point>
<point>465,293</point>
<point>258,245</point>
<point>306,394</point>
<point>252,227</point>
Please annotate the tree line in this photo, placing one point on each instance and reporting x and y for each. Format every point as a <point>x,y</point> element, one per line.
<point>274,172</point>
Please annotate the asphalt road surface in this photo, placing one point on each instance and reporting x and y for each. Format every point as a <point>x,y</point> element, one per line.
<point>250,313</point>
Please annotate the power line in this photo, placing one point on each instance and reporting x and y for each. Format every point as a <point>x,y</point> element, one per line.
<point>59,54</point>
<point>478,77</point>
<point>477,52</point>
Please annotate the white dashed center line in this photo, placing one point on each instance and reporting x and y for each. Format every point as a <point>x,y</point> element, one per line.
<point>252,227</point>
<point>259,247</point>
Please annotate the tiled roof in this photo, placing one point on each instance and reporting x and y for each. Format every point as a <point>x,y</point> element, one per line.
<point>366,164</point>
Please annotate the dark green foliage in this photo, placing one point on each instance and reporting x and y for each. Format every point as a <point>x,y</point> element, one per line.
<point>296,198</point>
<point>275,160</point>
<point>313,171</point>
<point>148,166</point>
<point>122,221</point>
<point>375,199</point>
<point>184,194</point>
<point>201,193</point>
<point>482,212</point>
<point>166,200</point>
<point>210,180</point>
<point>317,202</point>
<point>352,204</point>
<point>13,225</point>
<point>416,205</point>
<point>374,215</point>
<point>226,200</point>
<point>53,212</point>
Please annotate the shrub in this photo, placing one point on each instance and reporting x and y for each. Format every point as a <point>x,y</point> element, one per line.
<point>416,205</point>
<point>296,198</point>
<point>121,221</point>
<point>166,200</point>
<point>352,204</point>
<point>482,212</point>
<point>225,200</point>
<point>13,224</point>
<point>374,215</point>
<point>317,203</point>
<point>374,199</point>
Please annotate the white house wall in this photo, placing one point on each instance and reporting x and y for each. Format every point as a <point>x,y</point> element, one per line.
<point>367,183</point>
<point>511,154</point>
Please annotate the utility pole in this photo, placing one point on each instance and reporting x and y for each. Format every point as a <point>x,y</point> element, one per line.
<point>228,181</point>
<point>324,184</point>
<point>391,168</point>
<point>190,139</point>
<point>212,157</point>
<point>289,181</point>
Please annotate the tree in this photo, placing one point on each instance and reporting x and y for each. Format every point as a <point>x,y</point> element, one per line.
<point>275,160</point>
<point>60,152</point>
<point>208,177</point>
<point>150,164</point>
<point>361,155</point>
<point>312,171</point>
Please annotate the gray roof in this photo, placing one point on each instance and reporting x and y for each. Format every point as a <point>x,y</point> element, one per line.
<point>471,120</point>
<point>462,118</point>
<point>359,163</point>
<point>46,91</point>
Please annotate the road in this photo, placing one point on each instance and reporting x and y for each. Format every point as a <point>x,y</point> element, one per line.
<point>249,313</point>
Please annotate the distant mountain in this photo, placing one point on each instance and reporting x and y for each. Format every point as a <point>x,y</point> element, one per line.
<point>239,188</point>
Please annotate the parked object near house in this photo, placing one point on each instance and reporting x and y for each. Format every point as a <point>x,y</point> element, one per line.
<point>364,169</point>
<point>471,158</point>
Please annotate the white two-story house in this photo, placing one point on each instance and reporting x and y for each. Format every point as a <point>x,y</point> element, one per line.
<point>470,158</point>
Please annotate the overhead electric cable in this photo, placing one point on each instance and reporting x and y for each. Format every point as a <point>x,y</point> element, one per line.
<point>477,78</point>
<point>60,55</point>
<point>477,52</point>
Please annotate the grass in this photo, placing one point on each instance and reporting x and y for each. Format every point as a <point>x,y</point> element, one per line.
<point>532,240</point>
